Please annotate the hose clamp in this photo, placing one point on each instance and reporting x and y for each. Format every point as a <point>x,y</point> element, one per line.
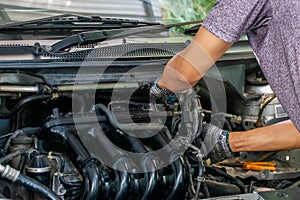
<point>10,173</point>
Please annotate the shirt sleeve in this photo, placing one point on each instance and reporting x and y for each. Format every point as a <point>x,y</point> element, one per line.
<point>229,19</point>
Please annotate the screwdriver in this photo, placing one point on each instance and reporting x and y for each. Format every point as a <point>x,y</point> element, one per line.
<point>258,166</point>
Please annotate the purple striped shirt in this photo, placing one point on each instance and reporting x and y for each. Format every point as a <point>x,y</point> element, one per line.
<point>273,29</point>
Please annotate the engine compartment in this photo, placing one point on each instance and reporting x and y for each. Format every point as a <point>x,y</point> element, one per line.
<point>71,128</point>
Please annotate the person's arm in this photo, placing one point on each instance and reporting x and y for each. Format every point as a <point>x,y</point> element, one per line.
<point>186,68</point>
<point>226,22</point>
<point>281,136</point>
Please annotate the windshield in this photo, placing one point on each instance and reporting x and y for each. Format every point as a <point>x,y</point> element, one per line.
<point>56,19</point>
<point>167,11</point>
<point>22,10</point>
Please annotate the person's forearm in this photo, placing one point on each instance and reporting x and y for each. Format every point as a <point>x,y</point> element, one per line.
<point>186,68</point>
<point>179,75</point>
<point>281,136</point>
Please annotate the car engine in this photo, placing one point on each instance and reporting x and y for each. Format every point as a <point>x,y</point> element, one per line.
<point>77,124</point>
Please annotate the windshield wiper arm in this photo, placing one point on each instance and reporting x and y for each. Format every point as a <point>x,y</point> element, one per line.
<point>92,37</point>
<point>68,21</point>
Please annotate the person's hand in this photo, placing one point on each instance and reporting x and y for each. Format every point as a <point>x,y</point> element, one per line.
<point>158,94</point>
<point>216,143</point>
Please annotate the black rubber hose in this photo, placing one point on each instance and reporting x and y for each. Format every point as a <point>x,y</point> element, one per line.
<point>22,103</point>
<point>37,187</point>
<point>11,156</point>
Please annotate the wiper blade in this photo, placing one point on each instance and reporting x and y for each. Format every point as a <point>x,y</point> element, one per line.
<point>68,21</point>
<point>31,22</point>
<point>92,37</point>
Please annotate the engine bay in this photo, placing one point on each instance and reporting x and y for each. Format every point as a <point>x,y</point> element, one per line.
<point>78,125</point>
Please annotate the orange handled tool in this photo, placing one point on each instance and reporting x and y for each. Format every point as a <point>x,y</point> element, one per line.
<point>258,166</point>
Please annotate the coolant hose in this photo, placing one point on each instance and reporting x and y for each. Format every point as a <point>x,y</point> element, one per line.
<point>37,187</point>
<point>22,103</point>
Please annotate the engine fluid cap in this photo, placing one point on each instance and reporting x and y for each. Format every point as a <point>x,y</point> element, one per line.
<point>38,164</point>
